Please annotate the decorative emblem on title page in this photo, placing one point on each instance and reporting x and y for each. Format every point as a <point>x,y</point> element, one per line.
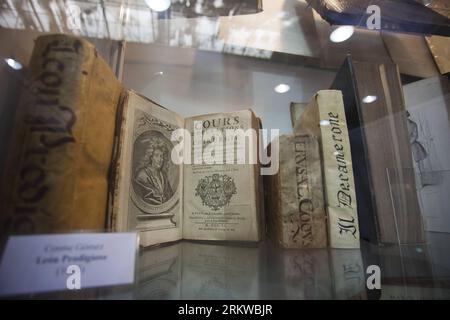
<point>216,190</point>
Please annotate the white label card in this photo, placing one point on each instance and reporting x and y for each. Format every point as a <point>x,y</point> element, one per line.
<point>42,263</point>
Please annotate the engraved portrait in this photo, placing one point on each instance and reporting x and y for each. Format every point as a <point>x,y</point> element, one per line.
<point>154,177</point>
<point>151,175</point>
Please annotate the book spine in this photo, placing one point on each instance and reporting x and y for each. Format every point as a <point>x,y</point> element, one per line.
<point>298,212</point>
<point>113,221</point>
<point>341,204</point>
<point>56,177</point>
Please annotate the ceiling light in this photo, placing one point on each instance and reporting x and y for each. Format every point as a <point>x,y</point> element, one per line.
<point>158,5</point>
<point>16,65</point>
<point>282,88</point>
<point>369,99</point>
<point>324,122</point>
<point>342,33</point>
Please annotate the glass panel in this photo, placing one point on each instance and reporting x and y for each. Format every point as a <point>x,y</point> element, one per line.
<point>196,57</point>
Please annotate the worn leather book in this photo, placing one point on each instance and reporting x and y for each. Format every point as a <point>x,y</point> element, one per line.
<point>295,213</point>
<point>324,118</point>
<point>388,211</point>
<point>89,154</point>
<point>57,168</point>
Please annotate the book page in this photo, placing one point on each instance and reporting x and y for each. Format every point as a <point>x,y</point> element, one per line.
<point>220,200</point>
<point>148,195</point>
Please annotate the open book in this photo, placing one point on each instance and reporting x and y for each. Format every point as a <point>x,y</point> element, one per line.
<point>88,154</point>
<point>161,191</point>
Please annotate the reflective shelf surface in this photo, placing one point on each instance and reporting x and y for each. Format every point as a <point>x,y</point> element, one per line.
<point>211,270</point>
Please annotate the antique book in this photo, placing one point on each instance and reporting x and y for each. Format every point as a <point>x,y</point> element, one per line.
<point>89,154</point>
<point>296,215</point>
<point>195,201</point>
<point>56,176</point>
<point>324,118</point>
<point>388,211</point>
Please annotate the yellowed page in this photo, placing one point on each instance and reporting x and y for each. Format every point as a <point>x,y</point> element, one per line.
<point>148,194</point>
<point>220,200</point>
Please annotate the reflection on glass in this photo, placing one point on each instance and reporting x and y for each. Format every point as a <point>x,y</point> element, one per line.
<point>282,88</point>
<point>369,99</point>
<point>189,270</point>
<point>16,65</point>
<point>342,33</point>
<point>306,274</point>
<point>158,5</point>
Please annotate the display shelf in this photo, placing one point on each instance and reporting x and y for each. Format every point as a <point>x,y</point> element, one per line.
<point>221,57</point>
<point>208,270</point>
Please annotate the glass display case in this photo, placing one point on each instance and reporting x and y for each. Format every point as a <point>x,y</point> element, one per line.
<point>390,61</point>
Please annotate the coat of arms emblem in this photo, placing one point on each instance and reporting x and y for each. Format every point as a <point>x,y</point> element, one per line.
<point>216,190</point>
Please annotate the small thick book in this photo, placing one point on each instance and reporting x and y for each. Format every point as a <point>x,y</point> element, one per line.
<point>324,118</point>
<point>168,201</point>
<point>296,215</point>
<point>88,154</point>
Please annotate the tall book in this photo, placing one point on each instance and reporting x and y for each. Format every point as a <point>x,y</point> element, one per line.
<point>324,118</point>
<point>89,154</point>
<point>56,176</point>
<point>296,215</point>
<point>388,211</point>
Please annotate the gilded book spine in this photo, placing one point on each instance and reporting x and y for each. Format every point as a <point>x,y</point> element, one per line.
<point>325,117</point>
<point>57,170</point>
<point>296,205</point>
